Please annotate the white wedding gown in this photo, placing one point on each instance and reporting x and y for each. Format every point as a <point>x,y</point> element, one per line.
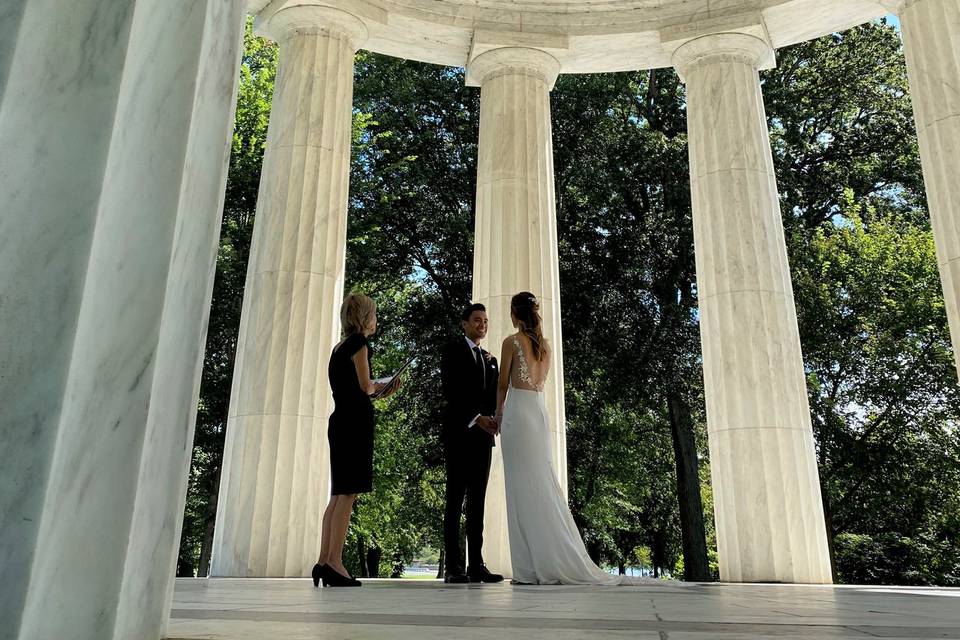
<point>545,545</point>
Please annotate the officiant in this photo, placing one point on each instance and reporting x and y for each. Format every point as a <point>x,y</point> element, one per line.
<point>350,433</point>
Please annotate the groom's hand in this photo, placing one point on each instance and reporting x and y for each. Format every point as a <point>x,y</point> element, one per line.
<point>487,424</point>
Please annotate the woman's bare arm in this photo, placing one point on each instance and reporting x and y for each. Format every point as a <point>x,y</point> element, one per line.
<point>363,371</point>
<point>363,376</point>
<point>547,358</point>
<point>506,365</point>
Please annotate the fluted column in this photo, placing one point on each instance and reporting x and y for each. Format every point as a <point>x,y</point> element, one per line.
<point>516,235</point>
<point>116,123</point>
<point>766,489</point>
<point>931,42</point>
<point>274,483</point>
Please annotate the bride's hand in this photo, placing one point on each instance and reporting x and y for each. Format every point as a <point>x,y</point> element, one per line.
<point>487,424</point>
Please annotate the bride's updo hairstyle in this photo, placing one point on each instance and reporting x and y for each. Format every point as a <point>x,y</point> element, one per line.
<point>526,310</point>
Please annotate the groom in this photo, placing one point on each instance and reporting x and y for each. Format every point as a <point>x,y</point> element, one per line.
<point>469,377</point>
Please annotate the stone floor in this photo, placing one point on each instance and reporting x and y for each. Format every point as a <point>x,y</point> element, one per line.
<point>426,609</point>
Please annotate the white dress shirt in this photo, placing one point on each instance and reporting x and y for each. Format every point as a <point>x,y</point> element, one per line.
<point>473,345</point>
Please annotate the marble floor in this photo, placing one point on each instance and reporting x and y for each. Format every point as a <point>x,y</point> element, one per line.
<point>264,609</point>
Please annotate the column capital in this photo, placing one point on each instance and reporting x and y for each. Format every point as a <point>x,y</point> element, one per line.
<point>312,19</point>
<point>519,60</point>
<point>893,6</point>
<point>897,7</point>
<point>723,47</point>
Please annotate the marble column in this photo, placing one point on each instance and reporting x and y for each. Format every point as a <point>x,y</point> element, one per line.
<point>769,517</point>
<point>931,42</point>
<point>275,480</point>
<point>516,235</point>
<point>116,129</point>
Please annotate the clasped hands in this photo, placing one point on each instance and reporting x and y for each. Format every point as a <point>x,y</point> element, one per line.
<point>490,425</point>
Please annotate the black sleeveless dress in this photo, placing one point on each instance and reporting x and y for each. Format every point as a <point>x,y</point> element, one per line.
<point>351,424</point>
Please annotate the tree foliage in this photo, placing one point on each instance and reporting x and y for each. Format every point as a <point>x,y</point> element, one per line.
<point>884,397</point>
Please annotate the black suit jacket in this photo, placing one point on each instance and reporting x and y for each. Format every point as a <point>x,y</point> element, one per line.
<point>466,394</point>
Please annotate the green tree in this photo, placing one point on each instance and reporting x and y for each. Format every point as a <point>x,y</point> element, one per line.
<point>884,397</point>
<point>841,122</point>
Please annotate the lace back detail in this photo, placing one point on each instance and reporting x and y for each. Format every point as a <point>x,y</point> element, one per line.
<point>523,369</point>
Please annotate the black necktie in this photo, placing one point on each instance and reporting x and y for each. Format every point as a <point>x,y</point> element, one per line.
<point>483,373</point>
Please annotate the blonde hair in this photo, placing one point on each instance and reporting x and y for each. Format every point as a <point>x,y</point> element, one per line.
<point>356,312</point>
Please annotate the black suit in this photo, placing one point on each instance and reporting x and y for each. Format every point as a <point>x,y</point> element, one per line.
<point>469,389</point>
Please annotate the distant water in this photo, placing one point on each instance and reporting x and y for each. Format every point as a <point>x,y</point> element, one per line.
<point>422,572</point>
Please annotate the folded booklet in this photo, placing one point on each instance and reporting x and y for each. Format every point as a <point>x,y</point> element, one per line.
<point>386,381</point>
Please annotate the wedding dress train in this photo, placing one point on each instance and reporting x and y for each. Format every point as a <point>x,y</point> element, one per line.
<point>545,544</point>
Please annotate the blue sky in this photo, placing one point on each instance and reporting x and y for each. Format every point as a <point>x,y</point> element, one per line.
<point>894,20</point>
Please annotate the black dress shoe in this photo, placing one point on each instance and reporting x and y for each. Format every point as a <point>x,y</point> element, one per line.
<point>455,577</point>
<point>333,578</point>
<point>482,574</point>
<point>317,573</point>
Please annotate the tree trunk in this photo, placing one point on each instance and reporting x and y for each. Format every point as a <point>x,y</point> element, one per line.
<point>823,456</point>
<point>658,551</point>
<point>362,556</point>
<point>184,566</point>
<point>696,564</point>
<point>828,522</point>
<point>373,562</point>
<point>206,546</point>
<point>398,565</point>
<point>622,568</point>
<point>440,566</point>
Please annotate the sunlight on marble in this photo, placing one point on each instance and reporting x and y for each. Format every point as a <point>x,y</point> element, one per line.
<point>223,609</point>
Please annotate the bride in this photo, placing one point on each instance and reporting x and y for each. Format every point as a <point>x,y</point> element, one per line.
<point>545,545</point>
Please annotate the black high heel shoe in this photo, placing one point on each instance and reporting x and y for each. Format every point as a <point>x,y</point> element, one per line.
<point>317,573</point>
<point>333,578</point>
